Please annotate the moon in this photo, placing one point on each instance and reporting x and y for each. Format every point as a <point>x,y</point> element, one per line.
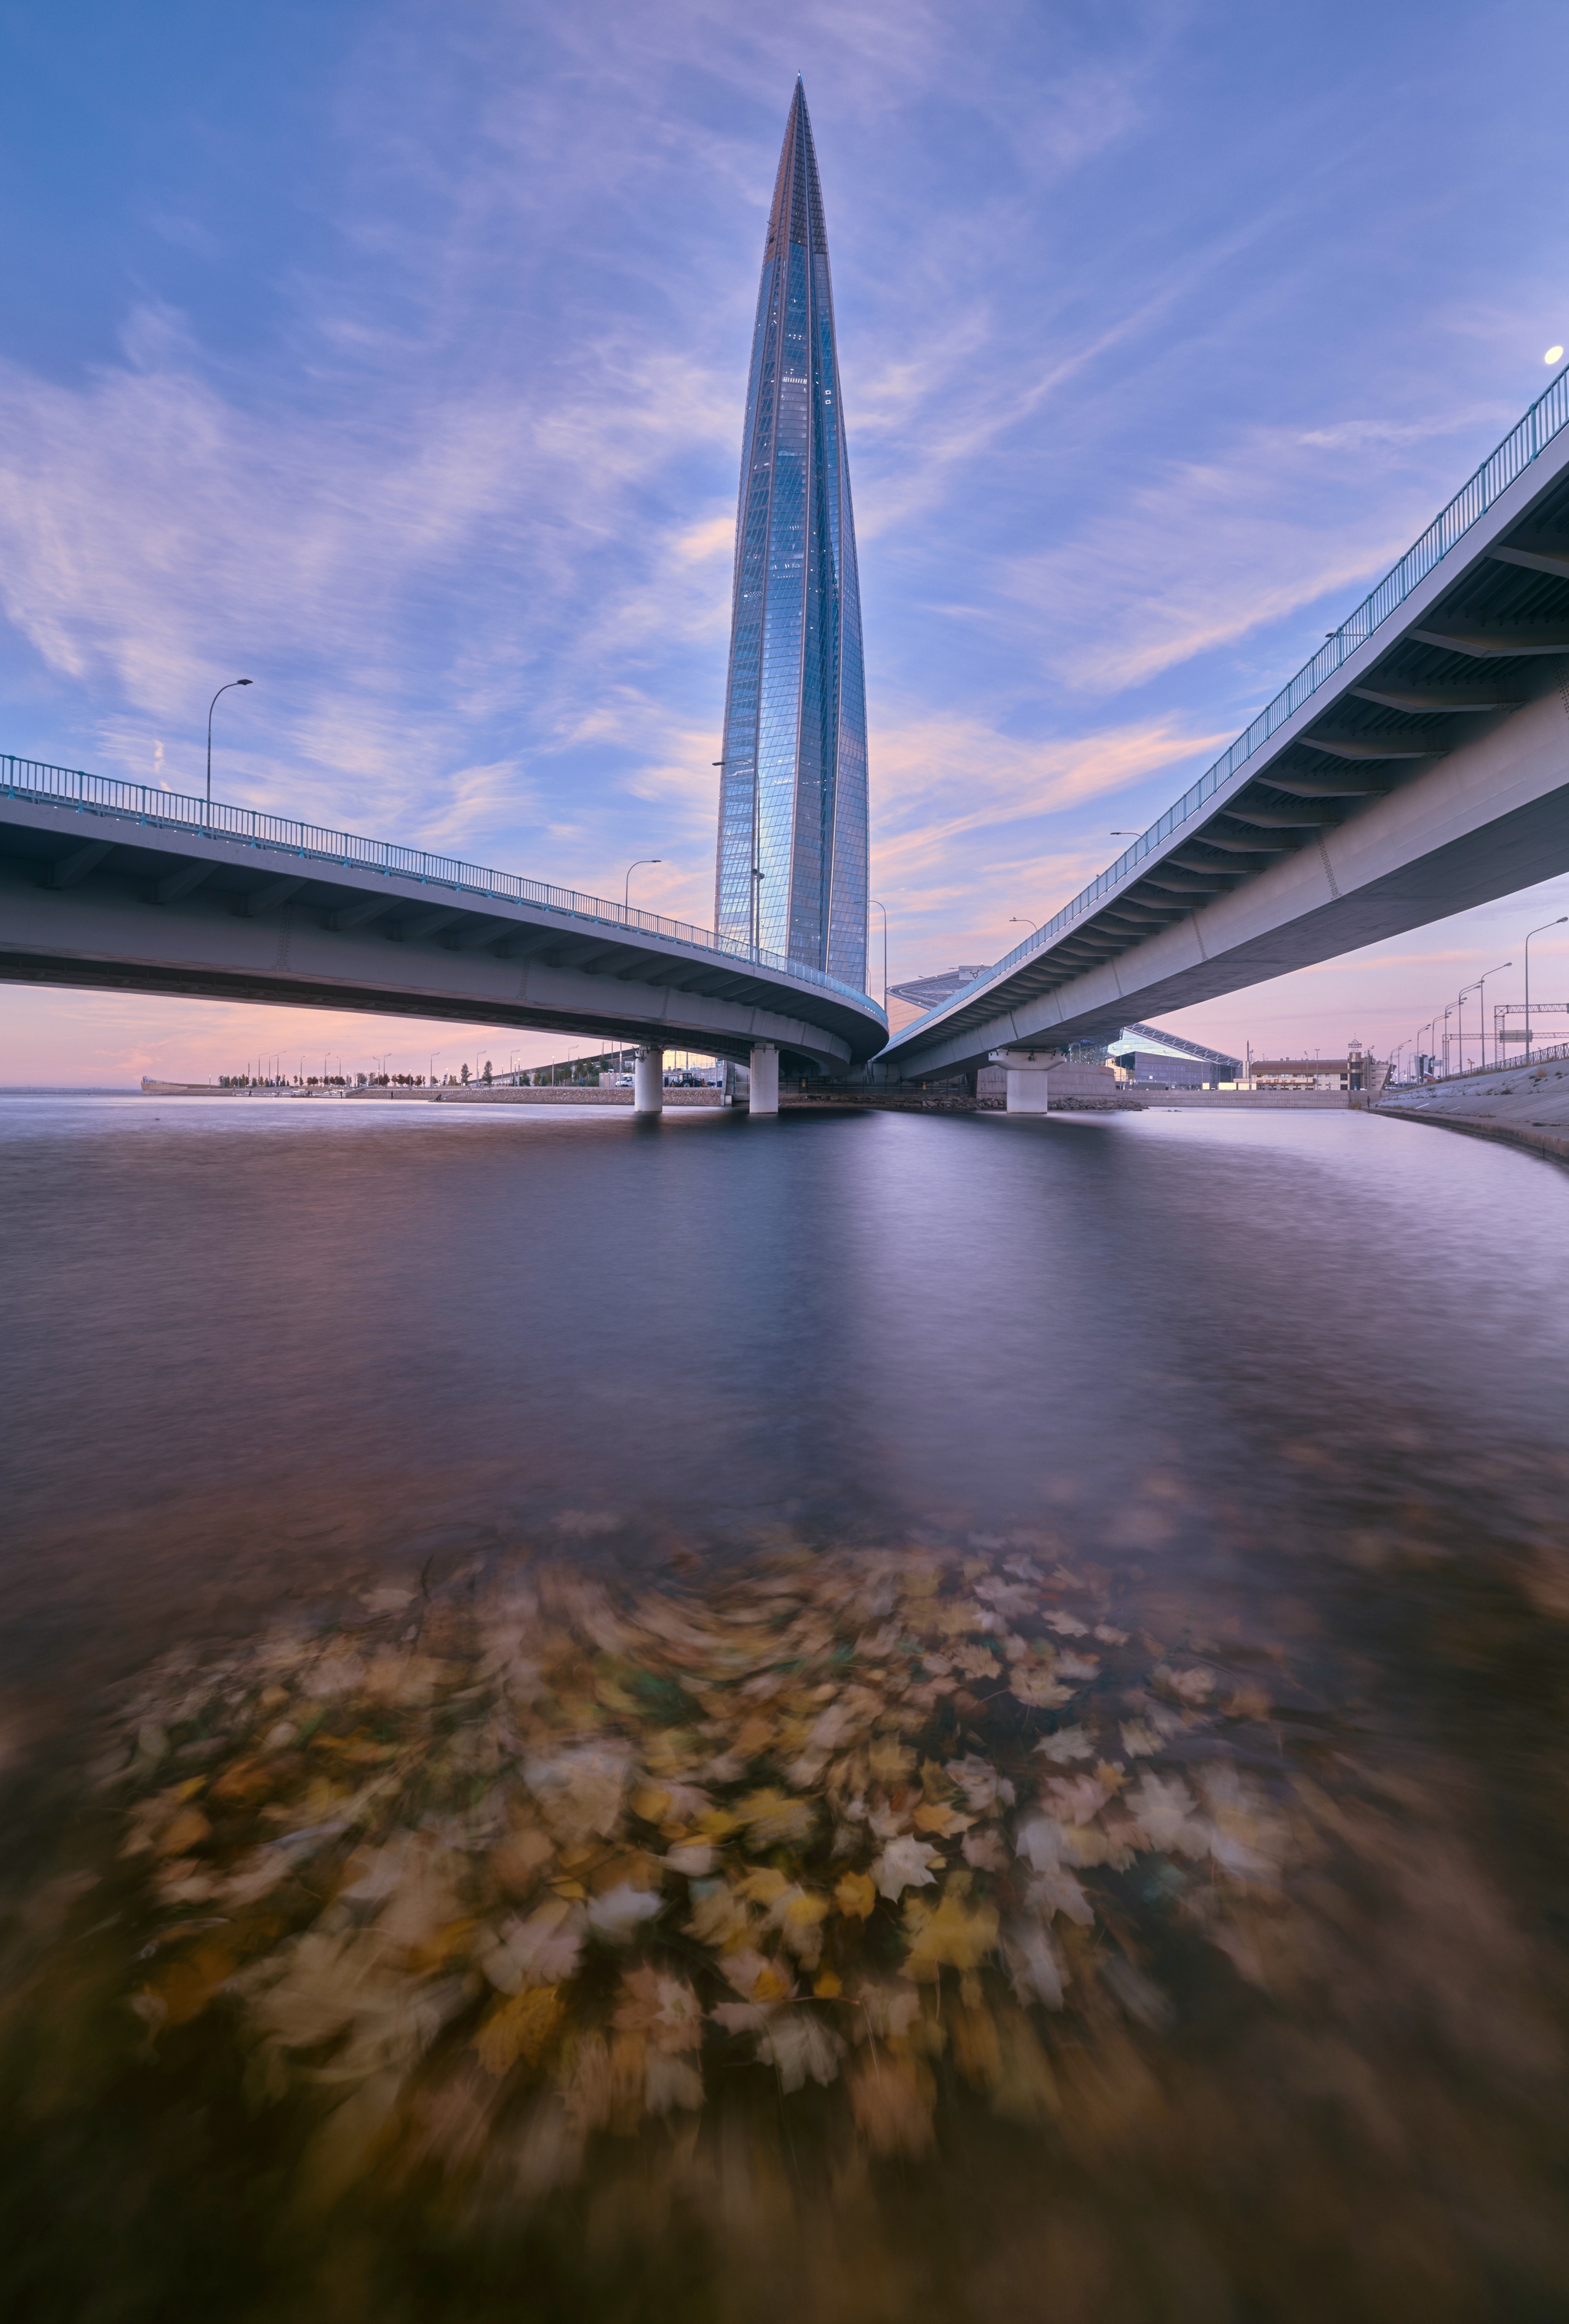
<point>1553,355</point>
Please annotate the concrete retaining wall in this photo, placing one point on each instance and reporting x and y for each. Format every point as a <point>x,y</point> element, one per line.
<point>1242,1101</point>
<point>1545,1142</point>
<point>562,1094</point>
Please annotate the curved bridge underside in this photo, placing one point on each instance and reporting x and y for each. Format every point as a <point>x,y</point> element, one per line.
<point>100,898</point>
<point>1428,771</point>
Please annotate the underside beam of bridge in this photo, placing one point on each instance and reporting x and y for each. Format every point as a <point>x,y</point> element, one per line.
<point>1418,766</point>
<point>326,934</point>
<point>270,897</point>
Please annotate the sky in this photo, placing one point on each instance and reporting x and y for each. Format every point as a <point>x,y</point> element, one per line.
<point>394,357</point>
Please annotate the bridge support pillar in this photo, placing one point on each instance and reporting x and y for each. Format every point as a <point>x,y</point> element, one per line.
<point>1028,1071</point>
<point>1027,1089</point>
<point>764,1078</point>
<point>649,1081</point>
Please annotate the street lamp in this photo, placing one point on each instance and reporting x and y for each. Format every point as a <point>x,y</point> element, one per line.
<point>883,909</point>
<point>626,884</point>
<point>1465,992</point>
<point>1460,1001</point>
<point>1559,923</point>
<point>212,705</point>
<point>1017,920</point>
<point>1480,988</point>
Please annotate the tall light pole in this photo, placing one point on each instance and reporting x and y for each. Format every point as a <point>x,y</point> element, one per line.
<point>1559,923</point>
<point>1460,1001</point>
<point>1480,988</point>
<point>883,909</point>
<point>626,883</point>
<point>1017,920</point>
<point>212,705</point>
<point>1448,1012</point>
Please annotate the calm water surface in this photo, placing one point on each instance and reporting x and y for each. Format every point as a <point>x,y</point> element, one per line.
<point>1286,1393</point>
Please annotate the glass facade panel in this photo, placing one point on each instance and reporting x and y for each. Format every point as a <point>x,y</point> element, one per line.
<point>792,856</point>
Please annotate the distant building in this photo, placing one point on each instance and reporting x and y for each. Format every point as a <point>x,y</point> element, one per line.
<point>1310,1073</point>
<point>1144,1054</point>
<point>912,998</point>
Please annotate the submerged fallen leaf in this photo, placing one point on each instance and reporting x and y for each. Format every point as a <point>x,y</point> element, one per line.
<point>799,2045</point>
<point>950,1936</point>
<point>1034,1962</point>
<point>519,2028</point>
<point>660,2006</point>
<point>904,1864</point>
<point>856,1896</point>
<point>773,1818</point>
<point>184,1831</point>
<point>1038,1688</point>
<point>543,1950</point>
<point>621,1911</point>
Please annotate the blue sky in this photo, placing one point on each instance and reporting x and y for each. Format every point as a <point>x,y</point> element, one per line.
<point>394,357</point>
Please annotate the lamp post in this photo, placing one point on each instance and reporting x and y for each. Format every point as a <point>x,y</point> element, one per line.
<point>1480,988</point>
<point>1017,920</point>
<point>626,884</point>
<point>1460,1001</point>
<point>1449,1012</point>
<point>212,705</point>
<point>1559,923</point>
<point>883,909</point>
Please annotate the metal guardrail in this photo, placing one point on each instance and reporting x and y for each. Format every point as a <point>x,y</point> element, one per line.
<point>140,803</point>
<point>1488,1073</point>
<point>1529,436</point>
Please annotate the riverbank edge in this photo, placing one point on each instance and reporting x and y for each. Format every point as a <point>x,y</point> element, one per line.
<point>1540,1142</point>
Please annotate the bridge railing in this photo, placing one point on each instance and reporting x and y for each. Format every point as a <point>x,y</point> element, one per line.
<point>1536,1056</point>
<point>142,803</point>
<point>1529,436</point>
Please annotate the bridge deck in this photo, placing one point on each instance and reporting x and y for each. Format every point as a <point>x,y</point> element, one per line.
<point>1414,767</point>
<point>114,886</point>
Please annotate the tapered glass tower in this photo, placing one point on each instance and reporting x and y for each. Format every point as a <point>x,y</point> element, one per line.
<point>792,869</point>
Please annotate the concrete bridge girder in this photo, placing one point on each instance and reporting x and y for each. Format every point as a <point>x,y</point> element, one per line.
<point>1490,817</point>
<point>75,910</point>
<point>1438,742</point>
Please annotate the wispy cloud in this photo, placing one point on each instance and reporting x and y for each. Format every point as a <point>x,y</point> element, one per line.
<point>1211,552</point>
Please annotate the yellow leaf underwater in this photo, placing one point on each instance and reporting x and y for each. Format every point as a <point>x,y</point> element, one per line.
<point>948,1937</point>
<point>773,1818</point>
<point>518,2030</point>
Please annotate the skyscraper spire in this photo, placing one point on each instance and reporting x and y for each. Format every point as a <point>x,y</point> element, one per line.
<point>792,855</point>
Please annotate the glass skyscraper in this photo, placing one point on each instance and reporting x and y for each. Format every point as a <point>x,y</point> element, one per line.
<point>792,860</point>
